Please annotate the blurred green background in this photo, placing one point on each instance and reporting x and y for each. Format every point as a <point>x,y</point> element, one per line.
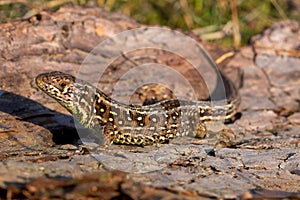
<point>226,22</point>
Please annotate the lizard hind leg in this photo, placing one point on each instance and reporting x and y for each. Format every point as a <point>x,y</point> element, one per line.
<point>226,137</point>
<point>201,130</point>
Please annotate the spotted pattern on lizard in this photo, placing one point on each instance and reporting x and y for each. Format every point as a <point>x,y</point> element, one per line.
<point>128,124</point>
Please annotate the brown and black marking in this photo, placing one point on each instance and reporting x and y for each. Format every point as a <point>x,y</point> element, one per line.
<point>128,124</point>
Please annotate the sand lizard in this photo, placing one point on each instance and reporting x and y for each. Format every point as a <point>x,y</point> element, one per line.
<point>128,124</point>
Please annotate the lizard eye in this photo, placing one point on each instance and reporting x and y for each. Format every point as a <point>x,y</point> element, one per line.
<point>62,85</point>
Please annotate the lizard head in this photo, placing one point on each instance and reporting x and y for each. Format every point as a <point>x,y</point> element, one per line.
<point>57,85</point>
<point>73,94</point>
